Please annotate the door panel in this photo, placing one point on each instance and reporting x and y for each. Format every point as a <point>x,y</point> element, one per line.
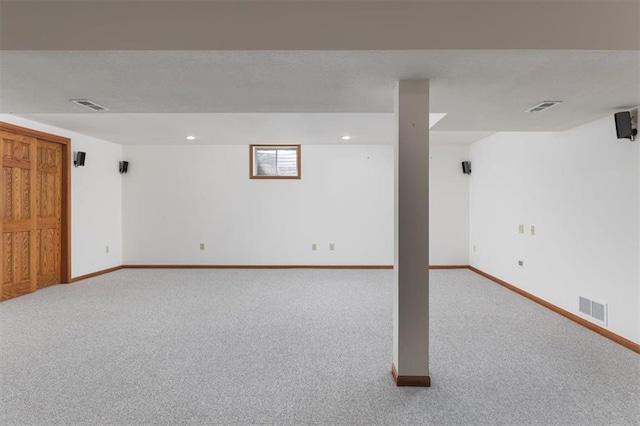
<point>18,268</point>
<point>18,254</point>
<point>49,212</point>
<point>7,189</point>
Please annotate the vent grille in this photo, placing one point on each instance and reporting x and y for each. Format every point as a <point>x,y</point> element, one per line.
<point>89,104</point>
<point>594,310</point>
<point>542,106</point>
<point>598,311</point>
<point>585,306</point>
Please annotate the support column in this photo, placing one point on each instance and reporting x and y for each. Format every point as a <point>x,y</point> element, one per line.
<point>411,235</point>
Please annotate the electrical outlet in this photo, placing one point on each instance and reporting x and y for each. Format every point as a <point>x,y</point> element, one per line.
<point>533,230</point>
<point>332,246</point>
<point>521,228</point>
<point>314,247</point>
<point>106,249</point>
<point>521,263</point>
<point>201,246</point>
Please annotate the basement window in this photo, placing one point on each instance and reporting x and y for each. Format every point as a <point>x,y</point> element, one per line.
<point>274,161</point>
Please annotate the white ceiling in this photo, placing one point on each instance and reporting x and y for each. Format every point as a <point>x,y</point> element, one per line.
<point>243,128</point>
<point>338,1</point>
<point>481,91</point>
<point>320,25</point>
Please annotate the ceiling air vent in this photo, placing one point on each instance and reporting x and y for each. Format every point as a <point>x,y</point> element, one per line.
<point>88,104</point>
<point>543,106</point>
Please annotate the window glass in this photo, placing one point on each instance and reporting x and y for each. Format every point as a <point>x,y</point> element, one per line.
<point>275,161</point>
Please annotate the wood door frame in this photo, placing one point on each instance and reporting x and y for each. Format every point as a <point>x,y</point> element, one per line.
<point>65,228</point>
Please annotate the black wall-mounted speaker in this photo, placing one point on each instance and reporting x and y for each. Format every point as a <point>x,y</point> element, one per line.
<point>79,158</point>
<point>624,130</point>
<point>466,167</point>
<point>124,167</point>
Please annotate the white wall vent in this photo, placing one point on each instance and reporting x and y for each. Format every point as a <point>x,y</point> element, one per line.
<point>596,311</point>
<point>542,106</point>
<point>89,104</point>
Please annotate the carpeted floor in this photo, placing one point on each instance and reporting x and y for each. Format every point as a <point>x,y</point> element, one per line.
<point>298,347</point>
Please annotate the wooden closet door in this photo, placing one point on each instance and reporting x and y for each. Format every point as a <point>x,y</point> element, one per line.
<point>49,212</point>
<point>18,251</point>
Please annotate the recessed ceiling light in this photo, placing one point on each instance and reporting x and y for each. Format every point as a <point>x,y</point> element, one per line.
<point>346,137</point>
<point>190,138</point>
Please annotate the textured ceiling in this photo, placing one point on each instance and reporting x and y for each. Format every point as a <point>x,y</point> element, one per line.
<point>320,25</point>
<point>308,1</point>
<point>481,91</point>
<point>243,128</point>
<point>334,70</point>
<point>228,129</point>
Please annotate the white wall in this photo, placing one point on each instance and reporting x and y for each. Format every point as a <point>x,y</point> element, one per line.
<point>345,197</point>
<point>448,205</point>
<point>580,189</point>
<point>96,200</point>
<point>176,197</point>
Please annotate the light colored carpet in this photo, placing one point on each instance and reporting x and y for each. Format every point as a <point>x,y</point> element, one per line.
<point>298,347</point>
